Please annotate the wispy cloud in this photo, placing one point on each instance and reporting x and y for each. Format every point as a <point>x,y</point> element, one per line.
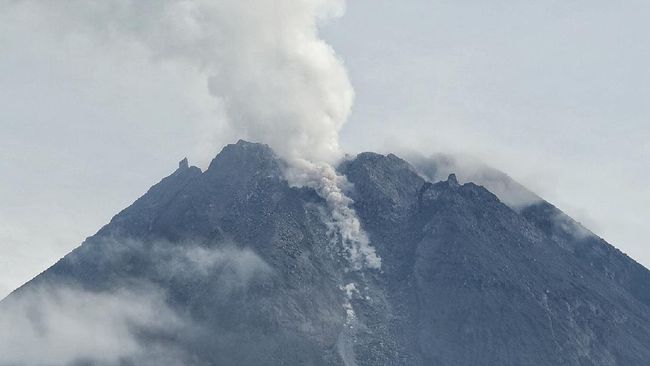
<point>60,322</point>
<point>61,325</point>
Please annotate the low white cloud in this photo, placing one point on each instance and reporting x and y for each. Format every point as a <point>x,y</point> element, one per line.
<point>570,226</point>
<point>468,169</point>
<point>234,268</point>
<point>55,323</point>
<point>61,325</point>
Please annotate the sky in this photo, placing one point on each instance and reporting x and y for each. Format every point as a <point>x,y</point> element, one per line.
<point>554,93</point>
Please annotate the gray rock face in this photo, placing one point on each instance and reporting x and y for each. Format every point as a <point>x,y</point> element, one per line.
<point>465,279</point>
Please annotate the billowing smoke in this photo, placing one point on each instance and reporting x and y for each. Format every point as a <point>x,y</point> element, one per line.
<point>263,61</point>
<point>265,65</point>
<point>280,83</point>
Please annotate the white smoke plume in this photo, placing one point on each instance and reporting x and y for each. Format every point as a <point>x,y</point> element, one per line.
<point>263,61</point>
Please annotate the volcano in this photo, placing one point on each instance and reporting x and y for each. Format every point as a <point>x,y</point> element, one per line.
<point>253,273</point>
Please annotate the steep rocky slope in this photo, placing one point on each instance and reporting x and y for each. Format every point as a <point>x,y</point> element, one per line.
<point>259,278</point>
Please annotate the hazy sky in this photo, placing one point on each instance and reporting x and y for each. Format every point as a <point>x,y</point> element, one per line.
<point>555,93</point>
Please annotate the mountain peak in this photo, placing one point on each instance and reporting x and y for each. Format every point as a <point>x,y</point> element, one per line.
<point>452,181</point>
<point>387,181</point>
<point>247,158</point>
<point>465,279</point>
<point>183,164</point>
<point>247,144</point>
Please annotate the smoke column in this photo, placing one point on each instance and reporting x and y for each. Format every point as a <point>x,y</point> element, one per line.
<point>264,63</point>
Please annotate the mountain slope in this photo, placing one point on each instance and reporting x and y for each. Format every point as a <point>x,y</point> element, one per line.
<point>259,278</point>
